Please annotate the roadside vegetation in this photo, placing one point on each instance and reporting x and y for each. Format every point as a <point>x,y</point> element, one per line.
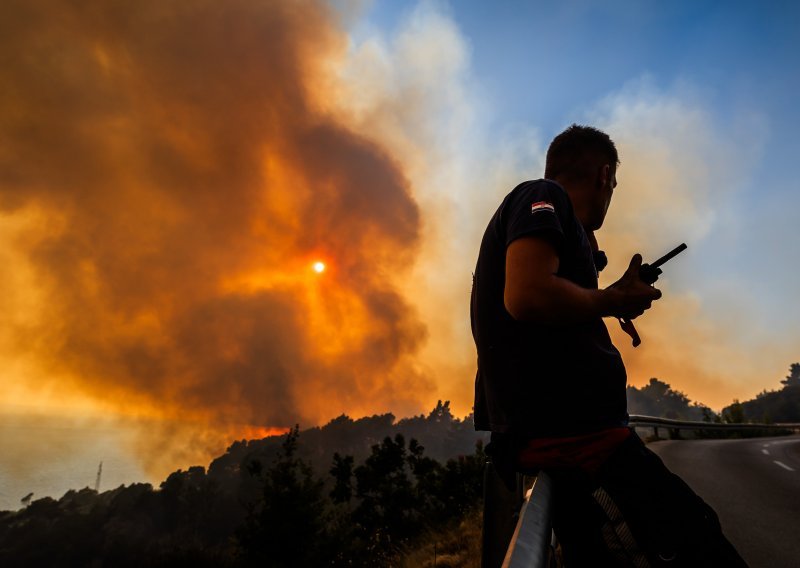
<point>367,492</point>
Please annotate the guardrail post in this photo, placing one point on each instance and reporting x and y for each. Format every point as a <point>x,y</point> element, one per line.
<point>501,508</point>
<point>532,543</point>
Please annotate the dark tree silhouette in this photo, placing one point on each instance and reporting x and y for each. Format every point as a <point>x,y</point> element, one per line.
<point>658,398</point>
<point>286,527</point>
<point>772,406</point>
<point>734,414</point>
<point>386,513</point>
<point>793,379</point>
<point>268,508</point>
<point>342,472</point>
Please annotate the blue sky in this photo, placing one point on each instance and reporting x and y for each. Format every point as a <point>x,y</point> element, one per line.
<point>571,53</point>
<point>701,97</point>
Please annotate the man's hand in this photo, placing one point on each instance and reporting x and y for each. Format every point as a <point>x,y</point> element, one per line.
<point>630,295</point>
<point>534,292</point>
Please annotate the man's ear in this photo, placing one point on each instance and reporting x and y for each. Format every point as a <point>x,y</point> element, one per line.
<point>603,175</point>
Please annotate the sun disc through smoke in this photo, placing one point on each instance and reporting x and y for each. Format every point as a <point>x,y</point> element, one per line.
<point>319,267</point>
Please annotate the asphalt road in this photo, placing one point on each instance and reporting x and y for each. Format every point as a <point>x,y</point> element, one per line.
<point>753,484</point>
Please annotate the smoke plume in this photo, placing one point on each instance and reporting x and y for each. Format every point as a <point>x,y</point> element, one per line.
<point>167,180</point>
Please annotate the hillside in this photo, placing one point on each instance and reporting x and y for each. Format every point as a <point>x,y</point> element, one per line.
<point>360,492</point>
<point>770,406</point>
<point>441,434</point>
<point>373,491</point>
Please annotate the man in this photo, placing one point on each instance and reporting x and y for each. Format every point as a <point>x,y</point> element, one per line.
<point>551,385</point>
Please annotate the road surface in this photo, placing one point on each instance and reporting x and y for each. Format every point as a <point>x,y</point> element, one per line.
<point>753,484</point>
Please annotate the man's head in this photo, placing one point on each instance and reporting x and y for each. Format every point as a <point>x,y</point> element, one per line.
<point>584,161</point>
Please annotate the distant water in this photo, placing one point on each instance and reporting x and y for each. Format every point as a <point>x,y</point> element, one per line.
<point>51,455</point>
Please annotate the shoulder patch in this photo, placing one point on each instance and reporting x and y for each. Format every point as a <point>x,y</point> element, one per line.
<point>542,206</point>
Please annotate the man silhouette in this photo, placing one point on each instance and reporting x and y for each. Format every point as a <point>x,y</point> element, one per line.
<point>551,386</point>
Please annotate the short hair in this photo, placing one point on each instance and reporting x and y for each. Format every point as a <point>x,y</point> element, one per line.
<point>576,153</point>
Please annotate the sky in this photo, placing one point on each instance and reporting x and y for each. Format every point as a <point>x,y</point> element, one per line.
<point>170,173</point>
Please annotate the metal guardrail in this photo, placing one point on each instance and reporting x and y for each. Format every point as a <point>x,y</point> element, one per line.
<point>530,543</point>
<point>654,422</point>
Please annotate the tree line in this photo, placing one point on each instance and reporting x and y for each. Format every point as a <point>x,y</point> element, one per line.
<point>365,492</point>
<point>272,509</point>
<point>782,405</point>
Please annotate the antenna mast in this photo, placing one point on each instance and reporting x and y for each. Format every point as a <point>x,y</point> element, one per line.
<point>97,481</point>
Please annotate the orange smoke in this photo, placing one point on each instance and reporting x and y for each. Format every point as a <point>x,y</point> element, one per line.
<point>183,180</point>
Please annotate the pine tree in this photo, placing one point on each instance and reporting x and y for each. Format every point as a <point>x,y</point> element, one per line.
<point>286,527</point>
<point>793,379</point>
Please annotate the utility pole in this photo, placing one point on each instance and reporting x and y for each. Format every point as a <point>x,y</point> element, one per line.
<point>97,481</point>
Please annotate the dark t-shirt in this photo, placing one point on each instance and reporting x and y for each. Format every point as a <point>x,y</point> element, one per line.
<point>535,379</point>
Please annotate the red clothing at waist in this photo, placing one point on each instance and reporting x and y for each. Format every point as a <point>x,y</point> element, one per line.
<point>587,451</point>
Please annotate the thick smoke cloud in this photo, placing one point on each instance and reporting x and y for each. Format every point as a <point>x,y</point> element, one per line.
<point>681,177</point>
<point>169,178</point>
<point>411,89</point>
<point>685,176</point>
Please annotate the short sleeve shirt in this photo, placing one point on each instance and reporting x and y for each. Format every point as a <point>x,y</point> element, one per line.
<point>541,379</point>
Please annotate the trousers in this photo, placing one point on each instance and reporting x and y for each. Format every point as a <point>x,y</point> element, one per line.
<point>633,494</point>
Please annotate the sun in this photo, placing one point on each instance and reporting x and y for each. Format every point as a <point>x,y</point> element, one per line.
<point>319,267</point>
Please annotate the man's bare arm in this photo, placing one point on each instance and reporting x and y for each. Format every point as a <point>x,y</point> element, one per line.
<point>533,292</point>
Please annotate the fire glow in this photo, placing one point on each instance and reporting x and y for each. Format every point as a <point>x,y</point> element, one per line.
<point>165,262</point>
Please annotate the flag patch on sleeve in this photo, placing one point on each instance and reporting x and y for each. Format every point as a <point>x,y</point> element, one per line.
<point>542,206</point>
